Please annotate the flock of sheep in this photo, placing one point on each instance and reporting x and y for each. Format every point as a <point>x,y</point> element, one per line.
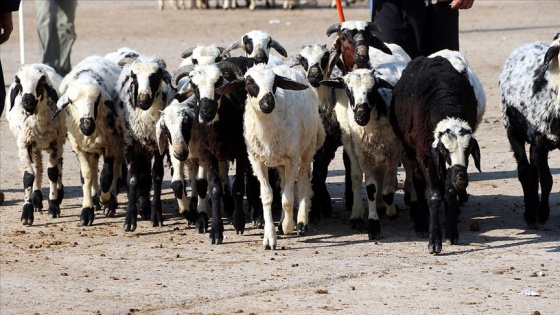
<point>281,124</point>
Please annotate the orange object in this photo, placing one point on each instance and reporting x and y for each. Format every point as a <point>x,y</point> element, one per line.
<point>340,12</point>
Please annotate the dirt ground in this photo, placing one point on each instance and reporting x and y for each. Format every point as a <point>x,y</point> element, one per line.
<point>58,267</point>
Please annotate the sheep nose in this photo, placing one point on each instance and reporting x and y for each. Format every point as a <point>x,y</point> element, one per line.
<point>267,103</point>
<point>362,114</point>
<point>460,177</point>
<point>144,101</point>
<point>362,56</point>
<point>87,126</point>
<point>315,76</point>
<point>208,109</point>
<point>261,57</point>
<point>29,103</point>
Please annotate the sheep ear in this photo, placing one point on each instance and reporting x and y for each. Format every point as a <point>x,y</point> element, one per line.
<point>232,46</point>
<point>539,80</point>
<point>125,61</point>
<point>337,83</point>
<point>161,136</point>
<point>475,152</point>
<point>287,84</point>
<point>379,44</point>
<point>14,91</point>
<point>278,48</point>
<point>295,61</point>
<point>333,28</point>
<point>111,106</point>
<point>230,87</point>
<point>334,59</point>
<point>51,92</point>
<point>380,104</point>
<point>63,101</point>
<point>384,84</point>
<point>187,53</point>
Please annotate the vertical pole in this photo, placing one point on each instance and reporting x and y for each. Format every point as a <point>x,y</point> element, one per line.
<point>21,35</point>
<point>340,12</point>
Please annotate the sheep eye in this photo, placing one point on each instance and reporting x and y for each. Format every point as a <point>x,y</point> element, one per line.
<point>195,61</point>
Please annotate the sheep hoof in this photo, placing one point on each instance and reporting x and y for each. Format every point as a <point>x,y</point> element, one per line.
<point>217,233</point>
<point>543,212</point>
<point>374,230</point>
<point>27,214</point>
<point>86,218</point>
<point>109,208</point>
<point>434,247</point>
<point>96,203</point>
<point>267,247</point>
<point>37,200</point>
<point>202,223</point>
<point>355,222</point>
<point>157,219</point>
<point>239,222</point>
<point>302,229</point>
<point>280,229</point>
<point>190,216</point>
<point>54,208</point>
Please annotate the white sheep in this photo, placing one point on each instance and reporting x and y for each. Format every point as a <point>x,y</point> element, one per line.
<point>31,104</point>
<point>530,101</point>
<point>94,129</point>
<point>122,55</point>
<point>283,130</point>
<point>256,44</point>
<point>361,109</point>
<point>144,89</point>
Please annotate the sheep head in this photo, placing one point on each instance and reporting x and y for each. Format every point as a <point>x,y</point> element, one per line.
<point>314,59</point>
<point>34,83</point>
<point>175,127</point>
<point>86,100</point>
<point>362,88</point>
<point>261,84</point>
<point>146,77</point>
<point>256,45</point>
<point>353,41</point>
<point>205,55</point>
<point>453,144</point>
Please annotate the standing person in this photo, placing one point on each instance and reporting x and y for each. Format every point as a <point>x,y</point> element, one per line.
<point>420,27</point>
<point>6,28</point>
<point>55,26</point>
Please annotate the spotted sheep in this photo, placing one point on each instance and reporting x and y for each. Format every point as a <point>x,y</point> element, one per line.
<point>434,114</point>
<point>530,103</point>
<point>31,104</point>
<point>94,129</point>
<point>144,90</point>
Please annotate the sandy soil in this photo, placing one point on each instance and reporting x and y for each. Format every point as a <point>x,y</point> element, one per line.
<point>58,267</point>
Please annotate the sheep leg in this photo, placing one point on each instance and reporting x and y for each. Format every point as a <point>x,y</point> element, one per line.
<point>133,180</point>
<point>305,192</point>
<point>178,186</point>
<point>528,177</point>
<point>451,216</point>
<point>288,175</point>
<point>356,179</point>
<point>373,225</point>
<point>410,198</point>
<point>37,184</point>
<point>87,171</point>
<point>348,194</point>
<point>229,204</point>
<point>54,175</point>
<point>321,200</point>
<point>94,162</point>
<point>107,180</point>
<point>157,179</point>
<point>253,198</point>
<point>144,186</point>
<point>202,192</point>
<point>539,158</point>
<point>261,171</point>
<point>389,186</point>
<point>216,194</point>
<point>421,213</point>
<point>238,193</point>
<point>435,206</point>
<point>27,216</point>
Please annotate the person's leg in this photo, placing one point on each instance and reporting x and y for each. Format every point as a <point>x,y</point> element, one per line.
<point>2,90</point>
<point>400,22</point>
<point>46,28</point>
<point>66,33</point>
<point>443,30</point>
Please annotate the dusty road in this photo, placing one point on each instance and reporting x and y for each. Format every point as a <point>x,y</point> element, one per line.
<point>58,267</point>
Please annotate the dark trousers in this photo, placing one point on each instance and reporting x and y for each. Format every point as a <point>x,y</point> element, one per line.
<point>417,28</point>
<point>3,90</point>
